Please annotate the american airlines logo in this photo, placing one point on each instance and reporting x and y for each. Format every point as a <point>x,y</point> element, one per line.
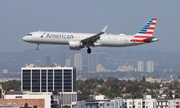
<point>61,36</point>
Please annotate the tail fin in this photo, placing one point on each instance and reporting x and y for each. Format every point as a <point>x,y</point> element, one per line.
<point>148,29</point>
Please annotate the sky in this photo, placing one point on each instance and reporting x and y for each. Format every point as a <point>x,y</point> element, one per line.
<point>19,17</point>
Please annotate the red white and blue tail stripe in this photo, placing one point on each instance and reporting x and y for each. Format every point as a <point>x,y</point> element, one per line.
<point>145,34</point>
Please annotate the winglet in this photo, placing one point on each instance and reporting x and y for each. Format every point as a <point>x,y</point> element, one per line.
<point>104,29</point>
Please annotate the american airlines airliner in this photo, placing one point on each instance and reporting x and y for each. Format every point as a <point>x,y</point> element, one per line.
<point>77,41</point>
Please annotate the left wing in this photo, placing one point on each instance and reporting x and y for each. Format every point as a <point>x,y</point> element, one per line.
<point>92,39</point>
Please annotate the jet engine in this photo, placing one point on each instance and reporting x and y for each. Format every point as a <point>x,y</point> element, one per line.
<point>75,45</point>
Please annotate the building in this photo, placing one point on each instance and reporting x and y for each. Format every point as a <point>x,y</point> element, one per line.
<point>101,59</point>
<point>79,104</point>
<point>100,97</point>
<point>61,58</point>
<point>78,62</point>
<point>100,68</point>
<point>48,61</point>
<point>22,103</point>
<point>125,68</point>
<point>140,66</point>
<point>140,103</point>
<point>92,62</point>
<point>153,80</point>
<point>48,79</point>
<point>42,100</point>
<point>118,103</point>
<point>5,70</point>
<point>68,62</point>
<point>51,78</point>
<point>146,102</point>
<point>100,102</point>
<point>164,103</point>
<point>150,66</point>
<point>177,103</point>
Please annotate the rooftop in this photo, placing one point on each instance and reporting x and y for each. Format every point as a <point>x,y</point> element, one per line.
<point>45,66</point>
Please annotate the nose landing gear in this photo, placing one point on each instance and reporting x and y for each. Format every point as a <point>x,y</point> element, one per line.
<point>37,48</point>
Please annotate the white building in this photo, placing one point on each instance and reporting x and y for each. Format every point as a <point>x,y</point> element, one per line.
<point>141,103</point>
<point>125,68</point>
<point>79,104</point>
<point>140,66</point>
<point>78,62</point>
<point>150,66</point>
<point>146,102</point>
<point>100,97</point>
<point>164,103</point>
<point>48,78</point>
<point>153,80</point>
<point>118,103</point>
<point>68,62</point>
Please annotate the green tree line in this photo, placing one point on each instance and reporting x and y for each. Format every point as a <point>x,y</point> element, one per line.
<point>113,87</point>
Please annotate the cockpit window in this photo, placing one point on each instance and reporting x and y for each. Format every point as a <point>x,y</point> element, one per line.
<point>29,34</point>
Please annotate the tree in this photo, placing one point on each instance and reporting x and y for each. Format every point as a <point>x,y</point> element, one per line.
<point>12,84</point>
<point>177,96</point>
<point>143,79</point>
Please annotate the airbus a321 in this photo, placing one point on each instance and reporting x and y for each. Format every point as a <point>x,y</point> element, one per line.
<point>77,41</point>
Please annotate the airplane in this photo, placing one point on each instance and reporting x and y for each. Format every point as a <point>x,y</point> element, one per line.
<point>77,41</point>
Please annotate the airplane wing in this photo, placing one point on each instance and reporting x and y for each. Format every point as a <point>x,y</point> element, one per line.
<point>92,39</point>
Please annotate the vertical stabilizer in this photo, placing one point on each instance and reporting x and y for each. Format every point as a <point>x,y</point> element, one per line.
<point>148,29</point>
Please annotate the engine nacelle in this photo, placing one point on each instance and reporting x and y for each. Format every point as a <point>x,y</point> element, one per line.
<point>75,45</point>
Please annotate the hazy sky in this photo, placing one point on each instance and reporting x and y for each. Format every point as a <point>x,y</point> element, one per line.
<point>19,17</point>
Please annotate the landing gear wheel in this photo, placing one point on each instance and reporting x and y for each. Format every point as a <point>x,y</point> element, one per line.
<point>89,50</point>
<point>37,48</point>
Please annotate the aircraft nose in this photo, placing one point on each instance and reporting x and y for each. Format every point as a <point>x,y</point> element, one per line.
<point>24,38</point>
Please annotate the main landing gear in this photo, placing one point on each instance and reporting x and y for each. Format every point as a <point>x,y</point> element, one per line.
<point>37,48</point>
<point>89,50</point>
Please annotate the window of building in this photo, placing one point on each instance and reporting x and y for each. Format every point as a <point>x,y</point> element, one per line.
<point>68,80</point>
<point>50,80</point>
<point>35,80</point>
<point>147,103</point>
<point>26,80</point>
<point>108,104</point>
<point>58,80</point>
<point>43,80</point>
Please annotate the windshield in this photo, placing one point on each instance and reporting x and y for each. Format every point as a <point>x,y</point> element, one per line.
<point>29,34</point>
